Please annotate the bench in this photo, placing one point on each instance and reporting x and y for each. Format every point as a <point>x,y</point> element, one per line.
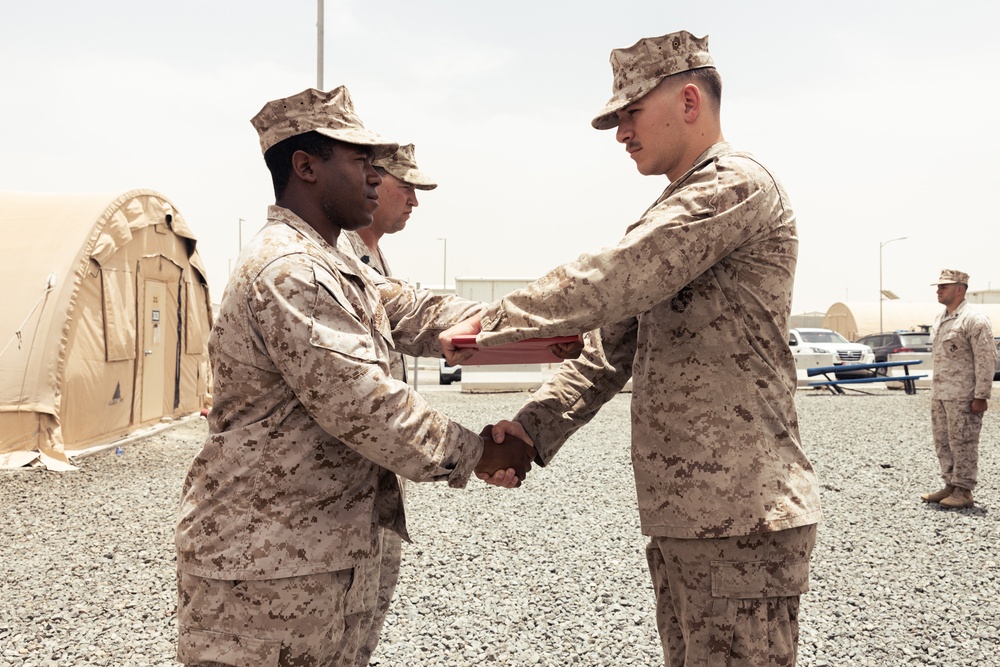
<point>908,379</point>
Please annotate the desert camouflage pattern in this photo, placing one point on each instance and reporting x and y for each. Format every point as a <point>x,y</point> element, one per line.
<point>403,165</point>
<point>306,415</point>
<point>693,305</point>
<point>956,432</point>
<point>964,355</point>
<point>374,619</point>
<point>951,277</point>
<point>351,242</point>
<point>640,68</point>
<point>329,113</point>
<point>315,619</point>
<point>737,596</point>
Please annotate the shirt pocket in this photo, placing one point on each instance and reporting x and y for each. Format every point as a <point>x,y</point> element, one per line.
<point>344,321</point>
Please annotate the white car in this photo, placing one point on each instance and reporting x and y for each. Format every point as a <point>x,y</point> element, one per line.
<point>818,341</point>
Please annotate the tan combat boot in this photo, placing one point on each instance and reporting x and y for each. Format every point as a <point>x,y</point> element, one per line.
<point>959,499</point>
<point>938,496</point>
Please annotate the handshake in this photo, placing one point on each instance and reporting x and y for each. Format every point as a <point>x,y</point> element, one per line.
<point>507,455</point>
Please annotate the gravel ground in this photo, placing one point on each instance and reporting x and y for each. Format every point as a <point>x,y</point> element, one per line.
<point>552,573</point>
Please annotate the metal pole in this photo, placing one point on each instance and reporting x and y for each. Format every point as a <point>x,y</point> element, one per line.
<point>319,44</point>
<point>240,223</point>
<point>880,295</point>
<point>444,266</point>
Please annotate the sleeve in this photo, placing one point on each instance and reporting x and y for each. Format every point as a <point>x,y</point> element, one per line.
<point>579,389</point>
<point>677,240</point>
<point>984,354</point>
<point>417,316</point>
<point>322,342</point>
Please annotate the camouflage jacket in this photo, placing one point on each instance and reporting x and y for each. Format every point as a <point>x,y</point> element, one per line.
<point>692,304</point>
<point>306,415</point>
<point>350,242</point>
<point>964,355</point>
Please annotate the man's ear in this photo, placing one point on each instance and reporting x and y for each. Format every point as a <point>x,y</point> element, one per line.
<point>692,102</point>
<point>302,163</point>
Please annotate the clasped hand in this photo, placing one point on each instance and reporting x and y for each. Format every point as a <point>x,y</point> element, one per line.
<point>507,454</point>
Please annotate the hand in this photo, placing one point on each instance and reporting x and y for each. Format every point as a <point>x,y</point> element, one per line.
<point>567,350</point>
<point>508,462</point>
<point>452,354</point>
<point>503,478</point>
<point>978,406</point>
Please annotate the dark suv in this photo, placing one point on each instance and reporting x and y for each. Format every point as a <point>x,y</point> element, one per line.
<point>896,342</point>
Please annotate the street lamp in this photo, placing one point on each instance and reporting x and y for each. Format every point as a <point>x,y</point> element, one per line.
<point>444,264</point>
<point>240,223</point>
<point>881,295</point>
<point>319,44</point>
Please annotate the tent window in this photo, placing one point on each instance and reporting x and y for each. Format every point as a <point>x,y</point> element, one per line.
<point>195,321</point>
<point>119,314</point>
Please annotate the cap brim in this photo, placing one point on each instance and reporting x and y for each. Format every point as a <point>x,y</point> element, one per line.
<point>418,179</point>
<point>361,137</point>
<point>608,116</point>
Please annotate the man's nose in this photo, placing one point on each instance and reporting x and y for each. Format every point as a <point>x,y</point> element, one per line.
<point>623,134</point>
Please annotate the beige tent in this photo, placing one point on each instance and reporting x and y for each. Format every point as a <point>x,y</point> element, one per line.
<point>105,321</point>
<point>856,319</point>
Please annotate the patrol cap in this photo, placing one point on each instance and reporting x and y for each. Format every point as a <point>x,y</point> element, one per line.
<point>640,68</point>
<point>403,165</point>
<point>951,276</point>
<point>331,114</point>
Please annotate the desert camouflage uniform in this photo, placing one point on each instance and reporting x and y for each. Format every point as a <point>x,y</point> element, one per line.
<point>306,420</point>
<point>391,547</point>
<point>692,305</point>
<point>965,358</point>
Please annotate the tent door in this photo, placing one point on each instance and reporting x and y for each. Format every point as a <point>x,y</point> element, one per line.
<point>154,321</point>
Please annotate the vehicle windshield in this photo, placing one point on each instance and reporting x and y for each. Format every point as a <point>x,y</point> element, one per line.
<point>915,339</point>
<point>822,337</point>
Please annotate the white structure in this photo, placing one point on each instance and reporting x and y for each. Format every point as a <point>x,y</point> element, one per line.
<point>519,377</point>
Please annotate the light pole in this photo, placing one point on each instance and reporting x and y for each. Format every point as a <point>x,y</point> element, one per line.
<point>319,44</point>
<point>880,295</point>
<point>240,222</point>
<point>444,264</point>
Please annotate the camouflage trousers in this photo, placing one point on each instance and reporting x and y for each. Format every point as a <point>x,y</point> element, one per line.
<point>730,602</point>
<point>388,574</point>
<point>956,439</point>
<point>317,620</point>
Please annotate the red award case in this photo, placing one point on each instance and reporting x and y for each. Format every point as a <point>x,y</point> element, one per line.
<point>528,351</point>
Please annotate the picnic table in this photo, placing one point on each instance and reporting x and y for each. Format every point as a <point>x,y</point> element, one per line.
<point>834,384</point>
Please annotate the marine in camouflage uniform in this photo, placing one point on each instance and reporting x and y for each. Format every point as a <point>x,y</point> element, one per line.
<point>965,358</point>
<point>693,306</point>
<point>397,196</point>
<point>278,537</point>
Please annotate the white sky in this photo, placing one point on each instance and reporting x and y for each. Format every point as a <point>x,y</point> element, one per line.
<point>879,117</point>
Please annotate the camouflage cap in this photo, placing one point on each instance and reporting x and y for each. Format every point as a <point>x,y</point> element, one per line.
<point>640,68</point>
<point>403,165</point>
<point>331,114</point>
<point>951,276</point>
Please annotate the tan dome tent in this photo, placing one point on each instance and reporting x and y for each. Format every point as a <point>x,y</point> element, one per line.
<point>856,319</point>
<point>105,321</point>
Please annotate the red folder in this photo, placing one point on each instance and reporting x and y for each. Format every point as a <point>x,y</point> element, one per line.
<point>528,351</point>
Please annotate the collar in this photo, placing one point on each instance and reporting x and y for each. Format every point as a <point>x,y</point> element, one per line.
<point>343,261</point>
